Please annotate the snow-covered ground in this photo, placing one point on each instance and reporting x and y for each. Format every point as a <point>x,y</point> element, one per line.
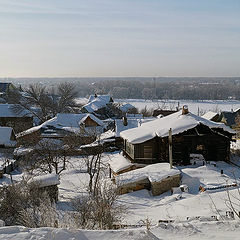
<point>142,205</point>
<point>190,231</point>
<point>193,213</point>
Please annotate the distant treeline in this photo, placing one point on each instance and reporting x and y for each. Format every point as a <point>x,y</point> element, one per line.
<point>164,90</point>
<point>154,88</point>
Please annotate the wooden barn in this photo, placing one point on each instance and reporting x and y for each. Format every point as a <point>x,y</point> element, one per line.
<point>149,143</point>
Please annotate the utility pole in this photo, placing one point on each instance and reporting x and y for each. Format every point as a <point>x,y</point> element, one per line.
<point>170,147</point>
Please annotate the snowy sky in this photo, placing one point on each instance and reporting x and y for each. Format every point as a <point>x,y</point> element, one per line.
<point>82,38</point>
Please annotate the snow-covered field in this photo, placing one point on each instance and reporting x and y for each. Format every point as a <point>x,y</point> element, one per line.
<point>194,105</point>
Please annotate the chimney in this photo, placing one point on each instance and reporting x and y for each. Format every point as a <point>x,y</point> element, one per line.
<point>125,123</point>
<point>185,110</point>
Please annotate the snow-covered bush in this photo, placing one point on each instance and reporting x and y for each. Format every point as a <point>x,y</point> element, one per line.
<point>100,210</point>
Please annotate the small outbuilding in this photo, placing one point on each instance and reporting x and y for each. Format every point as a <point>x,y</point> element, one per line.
<point>158,178</point>
<point>48,183</point>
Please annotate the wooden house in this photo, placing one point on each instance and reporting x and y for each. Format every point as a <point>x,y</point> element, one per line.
<point>229,118</point>
<point>149,143</point>
<point>85,126</point>
<point>101,106</point>
<point>9,118</point>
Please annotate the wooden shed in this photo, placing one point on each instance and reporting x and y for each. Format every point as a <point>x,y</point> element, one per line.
<point>149,143</point>
<point>158,178</point>
<point>48,183</point>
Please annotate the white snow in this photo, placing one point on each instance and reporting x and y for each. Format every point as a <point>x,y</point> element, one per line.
<point>105,98</point>
<point>21,151</point>
<point>119,163</point>
<point>46,180</point>
<point>131,123</point>
<point>96,103</point>
<point>209,115</point>
<point>189,230</point>
<point>196,106</point>
<point>65,121</point>
<point>160,127</point>
<point>154,172</point>
<point>198,207</point>
<point>126,107</point>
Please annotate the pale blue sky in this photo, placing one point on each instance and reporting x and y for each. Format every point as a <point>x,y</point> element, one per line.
<point>40,38</point>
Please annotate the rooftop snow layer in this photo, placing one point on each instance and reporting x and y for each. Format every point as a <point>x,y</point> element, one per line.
<point>47,180</point>
<point>154,172</point>
<point>160,127</point>
<point>131,123</point>
<point>95,105</point>
<point>209,115</point>
<point>105,98</point>
<point>119,163</point>
<point>126,106</point>
<point>65,121</point>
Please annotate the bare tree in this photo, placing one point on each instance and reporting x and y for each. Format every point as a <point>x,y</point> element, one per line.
<point>48,156</point>
<point>42,104</point>
<point>94,165</point>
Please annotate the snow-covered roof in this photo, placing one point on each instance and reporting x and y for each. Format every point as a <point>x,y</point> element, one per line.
<point>97,102</point>
<point>119,163</point>
<point>46,180</point>
<point>95,105</point>
<point>105,98</point>
<point>160,127</point>
<point>209,115</point>
<point>21,151</point>
<point>64,121</point>
<point>5,137</point>
<point>131,123</point>
<point>6,110</point>
<point>154,173</point>
<point>126,106</point>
